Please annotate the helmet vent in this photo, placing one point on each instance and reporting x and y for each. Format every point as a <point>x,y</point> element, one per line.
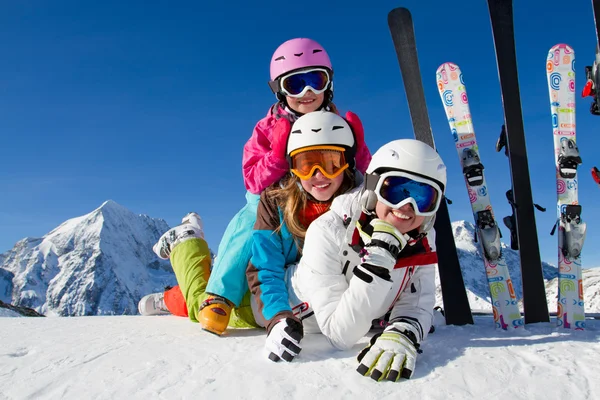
<point>298,54</point>
<point>316,130</point>
<point>280,58</point>
<point>297,131</point>
<point>336,127</point>
<point>317,51</point>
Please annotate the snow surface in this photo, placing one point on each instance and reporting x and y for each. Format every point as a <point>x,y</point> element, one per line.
<point>5,312</point>
<point>133,357</point>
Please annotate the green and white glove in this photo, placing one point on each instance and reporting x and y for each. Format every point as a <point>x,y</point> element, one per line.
<point>379,233</point>
<point>390,355</point>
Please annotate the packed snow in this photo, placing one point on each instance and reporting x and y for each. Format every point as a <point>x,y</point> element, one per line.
<point>134,357</point>
<point>108,357</point>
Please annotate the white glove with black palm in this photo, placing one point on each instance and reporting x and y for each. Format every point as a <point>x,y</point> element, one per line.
<point>390,355</point>
<point>382,246</point>
<point>283,342</point>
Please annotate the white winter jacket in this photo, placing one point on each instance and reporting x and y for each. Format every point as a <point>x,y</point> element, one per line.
<point>345,305</point>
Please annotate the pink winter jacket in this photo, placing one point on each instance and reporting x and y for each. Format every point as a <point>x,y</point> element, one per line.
<point>261,169</point>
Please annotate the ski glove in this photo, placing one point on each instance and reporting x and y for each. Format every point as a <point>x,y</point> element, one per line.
<point>390,355</point>
<point>382,246</point>
<point>283,342</point>
<point>281,132</point>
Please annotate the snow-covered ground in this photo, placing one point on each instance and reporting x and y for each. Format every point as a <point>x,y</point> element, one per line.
<point>133,357</point>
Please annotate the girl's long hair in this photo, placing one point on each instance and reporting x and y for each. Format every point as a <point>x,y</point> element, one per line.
<point>291,199</point>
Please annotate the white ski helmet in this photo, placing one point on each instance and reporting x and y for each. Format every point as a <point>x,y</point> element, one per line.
<point>410,156</point>
<point>322,128</point>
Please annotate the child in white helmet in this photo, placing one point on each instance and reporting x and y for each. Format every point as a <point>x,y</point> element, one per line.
<point>373,254</point>
<point>321,165</point>
<point>302,79</point>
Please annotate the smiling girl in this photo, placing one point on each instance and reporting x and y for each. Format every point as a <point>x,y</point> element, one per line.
<point>302,80</point>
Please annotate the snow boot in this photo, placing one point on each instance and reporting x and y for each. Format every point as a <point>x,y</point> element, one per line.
<point>215,313</point>
<point>191,227</point>
<point>153,304</point>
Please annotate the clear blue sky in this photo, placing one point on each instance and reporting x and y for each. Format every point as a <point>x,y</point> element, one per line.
<point>150,103</point>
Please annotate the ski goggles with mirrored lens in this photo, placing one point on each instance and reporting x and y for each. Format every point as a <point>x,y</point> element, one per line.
<point>396,188</point>
<point>297,84</point>
<point>330,160</point>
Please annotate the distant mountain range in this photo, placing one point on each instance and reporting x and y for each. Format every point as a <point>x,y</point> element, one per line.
<point>98,264</point>
<point>102,264</point>
<point>473,272</point>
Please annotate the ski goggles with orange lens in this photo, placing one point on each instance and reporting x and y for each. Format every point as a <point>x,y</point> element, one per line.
<point>330,160</point>
<point>396,188</point>
<point>297,84</point>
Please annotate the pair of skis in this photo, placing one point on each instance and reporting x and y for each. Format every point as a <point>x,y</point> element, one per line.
<point>561,83</point>
<point>454,295</point>
<point>571,229</point>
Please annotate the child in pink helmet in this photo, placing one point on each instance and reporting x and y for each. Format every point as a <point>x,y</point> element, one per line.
<point>302,80</point>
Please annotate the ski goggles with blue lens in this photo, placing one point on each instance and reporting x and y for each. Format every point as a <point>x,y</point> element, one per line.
<point>397,188</point>
<point>298,83</point>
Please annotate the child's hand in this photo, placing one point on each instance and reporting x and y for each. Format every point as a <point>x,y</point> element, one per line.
<point>357,128</point>
<point>281,132</point>
<point>283,342</point>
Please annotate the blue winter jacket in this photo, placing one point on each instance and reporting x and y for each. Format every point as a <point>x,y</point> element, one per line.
<point>272,251</point>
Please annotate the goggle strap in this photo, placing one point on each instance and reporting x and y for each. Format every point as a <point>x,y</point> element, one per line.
<point>371,181</point>
<point>274,85</point>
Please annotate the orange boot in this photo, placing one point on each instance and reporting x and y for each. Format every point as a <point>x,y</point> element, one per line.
<point>214,314</point>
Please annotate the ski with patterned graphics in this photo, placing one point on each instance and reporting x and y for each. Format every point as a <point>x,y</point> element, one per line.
<point>456,104</point>
<point>560,70</point>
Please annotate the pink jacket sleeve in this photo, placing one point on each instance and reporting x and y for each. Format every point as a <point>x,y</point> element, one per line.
<point>260,168</point>
<point>363,158</point>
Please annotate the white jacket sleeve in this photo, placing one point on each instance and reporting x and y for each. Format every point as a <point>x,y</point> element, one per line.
<point>417,300</point>
<point>344,311</point>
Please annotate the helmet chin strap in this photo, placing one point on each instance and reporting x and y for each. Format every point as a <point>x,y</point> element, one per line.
<point>368,198</point>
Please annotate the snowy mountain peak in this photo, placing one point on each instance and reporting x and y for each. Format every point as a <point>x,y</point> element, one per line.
<point>112,209</point>
<point>98,263</point>
<point>463,231</point>
<point>111,203</point>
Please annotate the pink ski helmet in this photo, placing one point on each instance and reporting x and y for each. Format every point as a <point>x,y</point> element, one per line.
<point>296,54</point>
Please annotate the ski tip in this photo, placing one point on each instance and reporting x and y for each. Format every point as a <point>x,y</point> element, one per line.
<point>448,65</point>
<point>561,46</point>
<point>447,72</point>
<point>399,12</point>
<point>561,58</point>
